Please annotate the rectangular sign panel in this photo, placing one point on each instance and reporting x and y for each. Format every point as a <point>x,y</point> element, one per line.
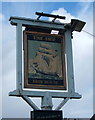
<point>46,115</point>
<point>44,61</point>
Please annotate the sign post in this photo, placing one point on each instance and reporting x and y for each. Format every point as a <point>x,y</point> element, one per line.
<point>48,61</point>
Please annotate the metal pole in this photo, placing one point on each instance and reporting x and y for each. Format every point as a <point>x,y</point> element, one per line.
<point>47,102</point>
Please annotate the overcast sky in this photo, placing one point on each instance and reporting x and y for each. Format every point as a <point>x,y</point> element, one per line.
<point>82,56</point>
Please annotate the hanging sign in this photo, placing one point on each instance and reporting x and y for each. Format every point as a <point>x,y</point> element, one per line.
<point>44,61</point>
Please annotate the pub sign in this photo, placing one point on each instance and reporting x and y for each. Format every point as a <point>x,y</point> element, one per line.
<point>44,61</point>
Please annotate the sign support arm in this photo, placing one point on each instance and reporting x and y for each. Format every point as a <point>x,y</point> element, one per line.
<point>30,103</point>
<point>62,104</point>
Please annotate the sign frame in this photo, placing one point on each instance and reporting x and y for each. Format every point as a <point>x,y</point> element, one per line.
<point>43,38</point>
<point>46,96</point>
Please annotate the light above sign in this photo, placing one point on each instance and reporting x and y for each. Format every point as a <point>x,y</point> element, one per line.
<point>77,25</point>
